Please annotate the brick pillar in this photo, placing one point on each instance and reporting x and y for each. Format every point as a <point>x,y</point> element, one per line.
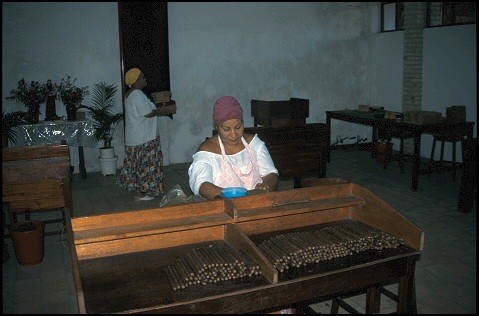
<point>414,23</point>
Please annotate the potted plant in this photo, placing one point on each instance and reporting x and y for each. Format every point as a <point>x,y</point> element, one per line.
<point>28,241</point>
<point>71,96</point>
<point>104,122</point>
<point>9,121</point>
<point>31,95</point>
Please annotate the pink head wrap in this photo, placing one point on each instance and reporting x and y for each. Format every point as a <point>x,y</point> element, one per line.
<point>227,108</point>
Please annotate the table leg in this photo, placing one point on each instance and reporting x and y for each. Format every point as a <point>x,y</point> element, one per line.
<point>416,162</point>
<point>374,139</point>
<point>407,303</point>
<point>82,162</point>
<point>328,123</point>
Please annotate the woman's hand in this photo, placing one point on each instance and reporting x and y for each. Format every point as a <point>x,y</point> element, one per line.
<point>165,110</point>
<point>262,186</point>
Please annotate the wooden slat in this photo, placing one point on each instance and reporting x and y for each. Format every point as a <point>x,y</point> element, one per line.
<point>148,227</point>
<point>34,152</point>
<point>139,217</point>
<point>35,169</point>
<point>237,238</point>
<point>34,195</point>
<point>292,221</point>
<point>121,246</point>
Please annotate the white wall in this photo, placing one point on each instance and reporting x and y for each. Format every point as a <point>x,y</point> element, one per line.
<point>330,53</point>
<point>266,51</point>
<point>46,40</point>
<point>449,75</point>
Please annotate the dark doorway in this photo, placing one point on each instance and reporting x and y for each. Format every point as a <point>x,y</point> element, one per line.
<point>144,43</point>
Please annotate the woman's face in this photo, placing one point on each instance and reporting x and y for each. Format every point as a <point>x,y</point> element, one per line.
<point>141,82</point>
<point>231,131</point>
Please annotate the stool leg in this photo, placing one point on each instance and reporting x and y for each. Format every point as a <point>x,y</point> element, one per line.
<point>441,159</point>
<point>387,154</point>
<point>431,160</point>
<point>453,161</point>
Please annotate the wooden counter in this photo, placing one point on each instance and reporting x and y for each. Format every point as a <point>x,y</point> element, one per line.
<point>121,260</point>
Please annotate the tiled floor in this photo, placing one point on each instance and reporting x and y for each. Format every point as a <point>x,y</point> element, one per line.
<point>445,275</point>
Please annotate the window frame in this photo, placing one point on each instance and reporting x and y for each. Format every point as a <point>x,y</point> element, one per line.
<point>398,16</point>
<point>449,14</point>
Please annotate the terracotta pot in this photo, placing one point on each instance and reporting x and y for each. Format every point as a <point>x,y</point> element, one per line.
<point>29,246</point>
<point>383,152</point>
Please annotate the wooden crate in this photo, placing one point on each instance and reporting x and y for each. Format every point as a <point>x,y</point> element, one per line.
<point>422,117</point>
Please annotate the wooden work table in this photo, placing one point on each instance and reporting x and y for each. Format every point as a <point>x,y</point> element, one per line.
<point>377,121</point>
<point>121,260</point>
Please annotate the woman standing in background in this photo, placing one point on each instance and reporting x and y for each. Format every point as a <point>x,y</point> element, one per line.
<point>142,171</point>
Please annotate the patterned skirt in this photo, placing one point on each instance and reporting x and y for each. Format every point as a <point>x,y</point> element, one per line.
<point>143,168</point>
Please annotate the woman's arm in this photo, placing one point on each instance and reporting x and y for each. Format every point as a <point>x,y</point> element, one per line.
<point>270,182</point>
<point>162,111</point>
<point>210,191</point>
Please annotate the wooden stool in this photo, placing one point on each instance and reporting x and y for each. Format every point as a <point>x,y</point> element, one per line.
<point>373,300</point>
<point>452,137</point>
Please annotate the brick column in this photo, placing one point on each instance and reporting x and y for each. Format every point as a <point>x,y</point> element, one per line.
<point>414,23</point>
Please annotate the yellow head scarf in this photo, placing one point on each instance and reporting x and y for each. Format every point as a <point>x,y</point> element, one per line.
<point>132,76</point>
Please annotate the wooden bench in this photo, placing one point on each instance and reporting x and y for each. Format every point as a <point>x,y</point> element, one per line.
<point>297,151</point>
<point>36,178</point>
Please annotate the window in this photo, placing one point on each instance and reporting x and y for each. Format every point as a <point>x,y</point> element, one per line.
<point>450,13</point>
<point>438,14</point>
<point>392,16</point>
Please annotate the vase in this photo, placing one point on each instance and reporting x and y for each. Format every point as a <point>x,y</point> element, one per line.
<point>71,112</point>
<point>33,114</point>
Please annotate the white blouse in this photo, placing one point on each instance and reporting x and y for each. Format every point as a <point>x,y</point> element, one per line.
<point>138,128</point>
<point>206,166</point>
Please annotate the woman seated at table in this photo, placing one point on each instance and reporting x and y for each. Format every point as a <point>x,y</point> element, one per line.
<point>231,158</point>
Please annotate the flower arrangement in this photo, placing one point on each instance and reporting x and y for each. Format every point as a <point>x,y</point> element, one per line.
<point>69,94</point>
<point>31,95</point>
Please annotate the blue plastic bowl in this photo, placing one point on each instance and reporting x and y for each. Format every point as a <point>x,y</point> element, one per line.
<point>234,192</point>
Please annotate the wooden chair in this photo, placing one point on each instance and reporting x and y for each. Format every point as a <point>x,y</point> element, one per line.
<point>36,178</point>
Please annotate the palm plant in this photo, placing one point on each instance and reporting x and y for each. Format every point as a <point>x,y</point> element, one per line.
<point>104,121</point>
<point>9,121</point>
